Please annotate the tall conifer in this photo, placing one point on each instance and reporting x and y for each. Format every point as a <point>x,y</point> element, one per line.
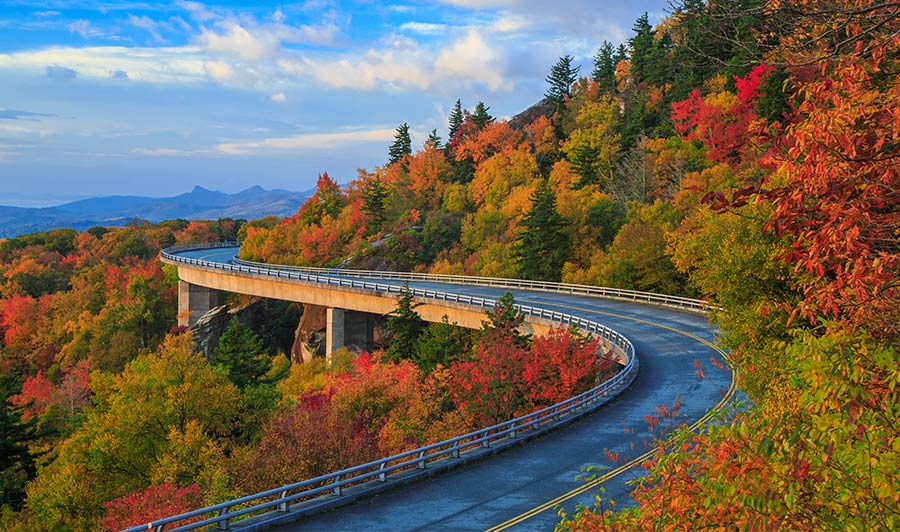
<point>402,145</point>
<point>542,247</point>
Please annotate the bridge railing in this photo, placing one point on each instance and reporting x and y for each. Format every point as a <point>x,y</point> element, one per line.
<point>441,454</point>
<point>683,303</point>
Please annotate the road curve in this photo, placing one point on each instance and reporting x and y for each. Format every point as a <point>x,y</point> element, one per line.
<point>518,489</point>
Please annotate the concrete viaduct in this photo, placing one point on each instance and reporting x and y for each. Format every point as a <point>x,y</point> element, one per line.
<point>521,488</point>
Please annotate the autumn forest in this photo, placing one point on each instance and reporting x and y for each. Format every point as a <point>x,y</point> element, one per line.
<point>745,153</point>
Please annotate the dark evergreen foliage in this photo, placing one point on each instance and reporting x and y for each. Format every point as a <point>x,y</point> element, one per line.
<point>481,117</point>
<point>441,343</point>
<point>505,319</point>
<point>433,140</point>
<point>374,197</point>
<point>402,145</point>
<point>241,352</point>
<point>456,120</point>
<point>604,73</point>
<point>542,246</point>
<point>17,464</point>
<point>562,75</point>
<point>405,326</point>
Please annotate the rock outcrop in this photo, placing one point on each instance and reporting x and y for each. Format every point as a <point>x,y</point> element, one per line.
<point>273,320</point>
<point>309,338</point>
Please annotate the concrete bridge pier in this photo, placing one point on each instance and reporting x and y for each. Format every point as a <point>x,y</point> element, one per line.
<point>194,301</point>
<point>345,328</point>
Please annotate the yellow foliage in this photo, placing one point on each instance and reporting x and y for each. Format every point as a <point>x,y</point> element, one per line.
<point>496,176</point>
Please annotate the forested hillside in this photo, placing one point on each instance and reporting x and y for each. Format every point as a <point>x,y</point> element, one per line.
<point>742,152</point>
<point>739,152</point>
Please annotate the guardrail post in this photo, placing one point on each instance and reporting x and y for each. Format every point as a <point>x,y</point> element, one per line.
<point>337,489</point>
<point>283,506</point>
<point>382,476</point>
<point>512,433</point>
<point>224,524</point>
<point>421,463</point>
<point>454,452</point>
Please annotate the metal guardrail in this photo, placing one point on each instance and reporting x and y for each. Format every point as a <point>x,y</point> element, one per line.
<point>683,303</point>
<point>280,499</point>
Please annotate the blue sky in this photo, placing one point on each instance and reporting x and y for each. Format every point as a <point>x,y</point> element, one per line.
<point>131,97</point>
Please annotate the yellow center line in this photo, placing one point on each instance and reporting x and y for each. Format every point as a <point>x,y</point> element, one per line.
<point>635,461</point>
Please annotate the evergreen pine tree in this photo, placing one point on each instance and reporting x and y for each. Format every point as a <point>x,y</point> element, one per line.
<point>481,117</point>
<point>505,319</point>
<point>402,145</point>
<point>240,351</point>
<point>542,247</point>
<point>17,465</point>
<point>562,76</point>
<point>441,343</point>
<point>621,53</point>
<point>374,198</point>
<point>433,140</point>
<point>604,73</point>
<point>641,47</point>
<point>456,120</point>
<point>405,326</point>
<point>659,62</point>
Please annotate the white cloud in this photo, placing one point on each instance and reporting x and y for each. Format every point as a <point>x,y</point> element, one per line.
<point>236,40</point>
<point>83,27</point>
<point>309,141</point>
<point>253,42</point>
<point>161,64</point>
<point>511,23</point>
<point>146,23</point>
<point>219,70</point>
<point>278,16</point>
<point>197,10</point>
<point>167,152</point>
<point>404,64</point>
<point>46,13</point>
<point>471,59</point>
<point>278,97</point>
<point>425,28</point>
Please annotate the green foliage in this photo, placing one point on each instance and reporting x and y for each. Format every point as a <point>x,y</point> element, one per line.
<point>374,197</point>
<point>402,145</point>
<point>604,73</point>
<point>608,216</point>
<point>455,121</point>
<point>593,144</point>
<point>641,44</point>
<point>504,320</point>
<point>405,326</point>
<point>561,77</point>
<point>480,116</point>
<point>60,241</point>
<point>433,141</point>
<point>440,344</point>
<point>128,434</point>
<point>17,464</point>
<point>542,246</point>
<point>240,353</point>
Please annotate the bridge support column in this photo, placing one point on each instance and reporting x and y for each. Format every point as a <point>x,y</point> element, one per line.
<point>194,301</point>
<point>347,328</point>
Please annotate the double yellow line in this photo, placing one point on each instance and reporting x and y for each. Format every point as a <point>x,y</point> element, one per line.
<point>593,484</point>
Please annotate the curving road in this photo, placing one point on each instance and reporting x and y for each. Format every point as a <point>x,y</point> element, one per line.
<point>521,489</point>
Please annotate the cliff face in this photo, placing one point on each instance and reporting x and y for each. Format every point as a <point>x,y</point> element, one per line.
<point>309,337</point>
<point>273,320</point>
<point>543,108</point>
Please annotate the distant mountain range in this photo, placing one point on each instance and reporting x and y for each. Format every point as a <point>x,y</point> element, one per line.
<point>198,204</point>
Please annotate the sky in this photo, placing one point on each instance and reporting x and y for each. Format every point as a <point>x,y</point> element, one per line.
<point>146,98</point>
